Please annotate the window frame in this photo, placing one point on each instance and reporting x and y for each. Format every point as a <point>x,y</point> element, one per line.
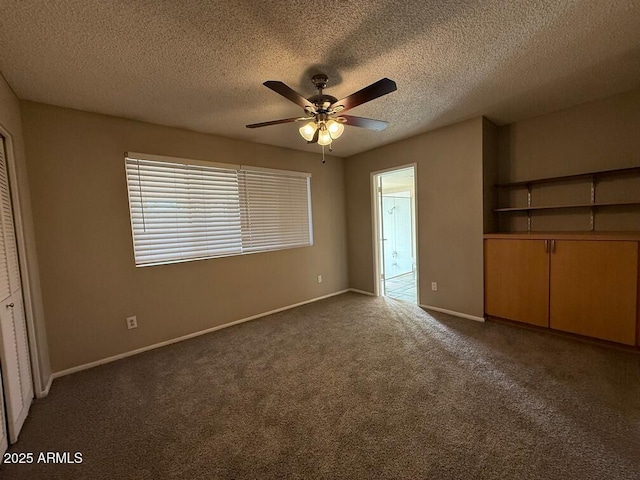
<point>240,170</point>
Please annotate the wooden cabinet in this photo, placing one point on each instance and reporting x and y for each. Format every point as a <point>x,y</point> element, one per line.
<point>578,285</point>
<point>594,288</point>
<point>517,280</point>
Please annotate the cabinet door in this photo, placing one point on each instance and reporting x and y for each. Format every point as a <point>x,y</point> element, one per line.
<point>517,280</point>
<point>594,289</point>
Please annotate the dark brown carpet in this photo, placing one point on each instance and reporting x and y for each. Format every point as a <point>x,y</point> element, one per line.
<point>348,387</point>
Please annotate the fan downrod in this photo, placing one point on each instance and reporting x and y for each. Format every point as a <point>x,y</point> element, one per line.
<point>321,101</point>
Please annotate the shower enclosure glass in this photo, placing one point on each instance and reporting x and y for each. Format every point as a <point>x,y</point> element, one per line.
<point>398,258</point>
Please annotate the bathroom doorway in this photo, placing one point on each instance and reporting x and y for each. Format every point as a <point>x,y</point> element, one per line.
<point>395,230</point>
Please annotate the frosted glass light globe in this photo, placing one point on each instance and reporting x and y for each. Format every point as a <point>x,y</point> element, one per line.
<point>308,130</point>
<point>335,128</point>
<point>324,138</point>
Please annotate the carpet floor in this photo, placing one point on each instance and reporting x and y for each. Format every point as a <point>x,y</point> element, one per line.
<point>351,387</point>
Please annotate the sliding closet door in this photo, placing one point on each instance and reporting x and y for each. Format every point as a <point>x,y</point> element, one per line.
<point>14,349</point>
<point>4,442</point>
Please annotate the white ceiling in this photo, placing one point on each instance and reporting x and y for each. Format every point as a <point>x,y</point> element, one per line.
<point>200,65</point>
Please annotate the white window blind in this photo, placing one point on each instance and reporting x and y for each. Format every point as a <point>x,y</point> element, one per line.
<point>187,210</point>
<point>275,211</point>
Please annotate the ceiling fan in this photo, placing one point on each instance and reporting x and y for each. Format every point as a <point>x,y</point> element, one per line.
<point>323,113</point>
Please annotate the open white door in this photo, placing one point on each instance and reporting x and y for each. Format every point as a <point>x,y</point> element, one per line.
<point>14,349</point>
<point>381,237</point>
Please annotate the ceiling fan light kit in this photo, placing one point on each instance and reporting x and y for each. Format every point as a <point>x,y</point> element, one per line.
<point>323,113</point>
<point>329,131</point>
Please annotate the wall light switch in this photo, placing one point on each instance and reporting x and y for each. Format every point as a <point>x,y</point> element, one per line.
<point>319,278</point>
<point>434,286</point>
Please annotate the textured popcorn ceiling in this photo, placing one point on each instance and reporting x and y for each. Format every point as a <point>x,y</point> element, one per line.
<point>200,65</point>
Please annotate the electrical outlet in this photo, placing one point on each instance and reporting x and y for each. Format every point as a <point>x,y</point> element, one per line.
<point>434,286</point>
<point>319,278</point>
<point>132,322</point>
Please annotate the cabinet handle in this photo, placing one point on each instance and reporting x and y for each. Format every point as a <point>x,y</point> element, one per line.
<point>9,305</point>
<point>553,246</point>
<point>546,246</point>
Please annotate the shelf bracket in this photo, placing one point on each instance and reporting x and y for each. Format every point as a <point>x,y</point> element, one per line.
<point>528,206</point>
<point>592,218</point>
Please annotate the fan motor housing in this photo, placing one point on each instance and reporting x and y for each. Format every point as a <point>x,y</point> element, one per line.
<point>322,101</point>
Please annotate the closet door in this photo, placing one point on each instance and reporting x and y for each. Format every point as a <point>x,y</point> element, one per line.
<point>4,443</point>
<point>14,349</point>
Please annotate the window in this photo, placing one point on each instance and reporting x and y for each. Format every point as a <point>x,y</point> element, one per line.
<point>188,210</point>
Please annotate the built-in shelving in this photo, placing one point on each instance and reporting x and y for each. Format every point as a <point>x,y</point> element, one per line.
<point>632,171</point>
<point>592,205</point>
<point>558,207</point>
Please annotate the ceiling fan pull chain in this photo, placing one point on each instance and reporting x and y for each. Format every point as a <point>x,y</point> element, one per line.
<point>323,154</point>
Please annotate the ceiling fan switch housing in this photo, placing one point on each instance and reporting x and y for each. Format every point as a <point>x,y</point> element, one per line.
<point>320,81</point>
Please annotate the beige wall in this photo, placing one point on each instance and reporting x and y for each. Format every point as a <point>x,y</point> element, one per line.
<point>90,284</point>
<point>490,143</point>
<point>89,281</point>
<point>10,121</point>
<point>450,213</point>
<point>599,135</point>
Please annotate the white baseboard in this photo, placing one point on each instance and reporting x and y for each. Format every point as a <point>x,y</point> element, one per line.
<point>40,393</point>
<point>120,356</point>
<point>455,314</point>
<point>361,292</point>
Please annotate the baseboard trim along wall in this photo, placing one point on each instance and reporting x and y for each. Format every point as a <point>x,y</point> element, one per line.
<point>362,292</point>
<point>429,307</point>
<point>40,392</point>
<point>120,356</point>
<point>451,312</point>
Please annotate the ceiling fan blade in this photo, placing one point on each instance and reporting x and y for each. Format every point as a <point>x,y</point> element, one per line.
<point>369,123</point>
<point>275,122</point>
<point>375,90</point>
<point>288,93</point>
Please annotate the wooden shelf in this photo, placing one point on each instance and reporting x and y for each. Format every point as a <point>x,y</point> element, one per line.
<point>609,236</point>
<point>570,178</point>
<point>591,205</point>
<point>561,207</point>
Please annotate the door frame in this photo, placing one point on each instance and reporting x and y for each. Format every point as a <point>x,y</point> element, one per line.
<point>23,262</point>
<point>375,223</point>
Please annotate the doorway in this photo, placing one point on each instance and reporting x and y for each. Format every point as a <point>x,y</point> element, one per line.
<point>395,229</point>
